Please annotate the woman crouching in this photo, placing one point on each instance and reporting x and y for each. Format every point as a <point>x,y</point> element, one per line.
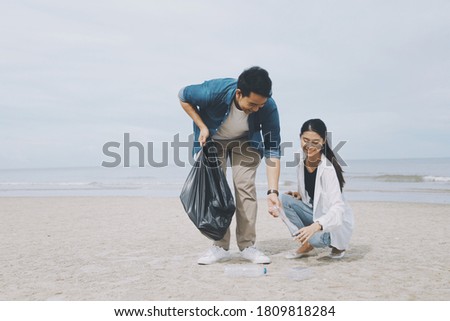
<point>318,209</point>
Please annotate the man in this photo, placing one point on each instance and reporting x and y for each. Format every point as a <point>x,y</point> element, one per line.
<point>234,114</point>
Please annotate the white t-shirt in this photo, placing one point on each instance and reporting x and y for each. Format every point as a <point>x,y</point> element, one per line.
<point>235,126</point>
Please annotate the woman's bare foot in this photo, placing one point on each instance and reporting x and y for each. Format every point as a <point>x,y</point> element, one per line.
<point>305,248</point>
<point>301,251</point>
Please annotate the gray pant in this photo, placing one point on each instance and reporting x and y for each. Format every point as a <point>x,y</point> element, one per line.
<point>244,161</point>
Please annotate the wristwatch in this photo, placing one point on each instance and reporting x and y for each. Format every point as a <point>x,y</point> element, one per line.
<point>270,191</point>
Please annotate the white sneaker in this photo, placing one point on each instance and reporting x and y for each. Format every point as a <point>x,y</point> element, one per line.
<point>255,256</point>
<point>213,255</point>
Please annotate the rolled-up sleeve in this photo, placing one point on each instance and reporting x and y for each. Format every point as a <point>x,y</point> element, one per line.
<point>196,95</point>
<point>181,95</point>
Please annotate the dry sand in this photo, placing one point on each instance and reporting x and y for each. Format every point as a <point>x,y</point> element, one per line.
<point>136,248</point>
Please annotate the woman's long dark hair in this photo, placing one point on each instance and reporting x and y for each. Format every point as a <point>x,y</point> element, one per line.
<point>319,127</point>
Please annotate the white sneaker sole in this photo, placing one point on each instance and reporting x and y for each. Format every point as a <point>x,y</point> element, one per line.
<point>205,262</point>
<point>260,260</point>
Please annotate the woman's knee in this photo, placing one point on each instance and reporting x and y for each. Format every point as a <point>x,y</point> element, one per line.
<point>287,200</point>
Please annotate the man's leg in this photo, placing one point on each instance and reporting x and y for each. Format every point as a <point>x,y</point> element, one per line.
<point>219,251</point>
<point>222,153</point>
<point>245,161</point>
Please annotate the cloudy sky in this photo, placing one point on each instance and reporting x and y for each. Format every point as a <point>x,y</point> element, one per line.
<point>75,75</point>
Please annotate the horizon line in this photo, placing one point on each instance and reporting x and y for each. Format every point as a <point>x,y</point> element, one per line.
<point>172,165</point>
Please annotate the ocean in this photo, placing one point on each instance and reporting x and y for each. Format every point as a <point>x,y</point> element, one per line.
<point>397,180</point>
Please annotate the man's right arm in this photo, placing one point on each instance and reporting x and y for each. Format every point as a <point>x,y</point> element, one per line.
<point>190,110</point>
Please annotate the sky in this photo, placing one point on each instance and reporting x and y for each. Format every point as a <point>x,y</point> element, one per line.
<point>75,75</point>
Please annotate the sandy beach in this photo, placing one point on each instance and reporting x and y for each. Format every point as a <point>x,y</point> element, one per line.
<point>142,248</point>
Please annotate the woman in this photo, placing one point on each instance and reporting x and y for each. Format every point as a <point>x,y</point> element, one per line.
<point>318,209</point>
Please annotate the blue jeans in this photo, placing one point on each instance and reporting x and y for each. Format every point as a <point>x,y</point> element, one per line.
<point>301,215</point>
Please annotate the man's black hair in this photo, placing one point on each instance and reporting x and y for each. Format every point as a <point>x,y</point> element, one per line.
<point>256,80</point>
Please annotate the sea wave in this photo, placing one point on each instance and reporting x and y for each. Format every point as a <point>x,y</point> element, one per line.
<point>443,179</point>
<point>93,185</point>
<point>399,178</point>
<point>412,178</point>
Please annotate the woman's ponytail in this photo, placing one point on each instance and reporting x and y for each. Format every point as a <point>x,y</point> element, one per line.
<point>329,154</point>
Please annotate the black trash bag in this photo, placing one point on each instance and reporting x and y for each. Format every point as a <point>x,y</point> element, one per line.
<point>206,196</point>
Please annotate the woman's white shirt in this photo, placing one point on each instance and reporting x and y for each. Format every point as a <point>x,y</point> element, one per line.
<point>330,208</point>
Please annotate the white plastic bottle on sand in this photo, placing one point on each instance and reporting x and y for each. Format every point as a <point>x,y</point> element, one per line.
<point>245,270</point>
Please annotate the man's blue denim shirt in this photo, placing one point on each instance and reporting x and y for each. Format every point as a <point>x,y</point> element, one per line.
<point>213,99</point>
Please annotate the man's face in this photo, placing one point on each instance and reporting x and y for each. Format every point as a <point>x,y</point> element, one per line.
<point>250,104</point>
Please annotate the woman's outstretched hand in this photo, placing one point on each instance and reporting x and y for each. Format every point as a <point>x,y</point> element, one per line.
<point>305,233</point>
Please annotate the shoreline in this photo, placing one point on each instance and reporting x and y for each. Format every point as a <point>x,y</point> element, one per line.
<point>145,248</point>
<point>171,197</point>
